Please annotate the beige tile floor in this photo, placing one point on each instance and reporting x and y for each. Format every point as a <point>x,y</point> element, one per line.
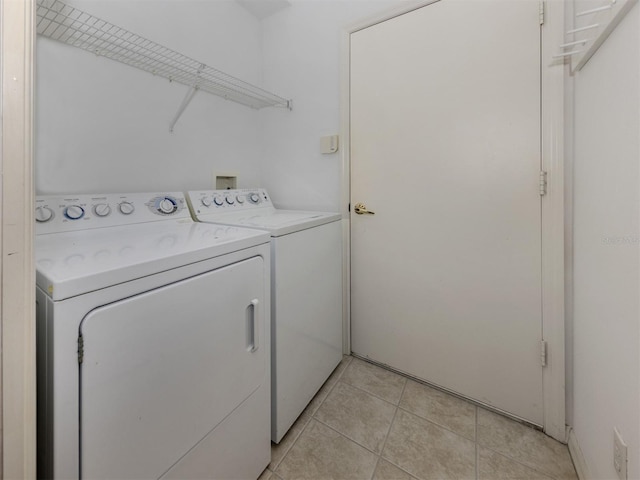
<point>369,423</point>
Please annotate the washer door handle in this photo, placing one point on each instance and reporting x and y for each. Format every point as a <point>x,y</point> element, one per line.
<point>252,326</point>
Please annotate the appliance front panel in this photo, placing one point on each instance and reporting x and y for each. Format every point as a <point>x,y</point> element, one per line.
<point>162,369</point>
<point>307,312</point>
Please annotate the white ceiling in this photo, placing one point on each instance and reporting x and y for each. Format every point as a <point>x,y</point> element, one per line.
<point>263,8</point>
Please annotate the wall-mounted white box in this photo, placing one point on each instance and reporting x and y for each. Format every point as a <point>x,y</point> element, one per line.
<point>225,181</point>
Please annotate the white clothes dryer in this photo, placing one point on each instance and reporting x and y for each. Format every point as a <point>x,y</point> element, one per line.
<point>152,341</point>
<point>306,292</point>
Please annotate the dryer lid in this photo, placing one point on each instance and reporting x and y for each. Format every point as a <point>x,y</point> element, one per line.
<point>73,263</point>
<point>277,222</point>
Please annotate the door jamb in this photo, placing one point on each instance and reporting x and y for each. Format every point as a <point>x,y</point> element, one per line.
<point>17,277</point>
<point>552,152</point>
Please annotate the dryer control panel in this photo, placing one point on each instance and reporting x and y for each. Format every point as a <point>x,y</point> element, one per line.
<point>64,213</point>
<point>221,201</point>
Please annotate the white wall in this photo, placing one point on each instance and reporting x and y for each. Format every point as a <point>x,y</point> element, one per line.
<point>103,126</point>
<point>606,250</point>
<point>302,60</point>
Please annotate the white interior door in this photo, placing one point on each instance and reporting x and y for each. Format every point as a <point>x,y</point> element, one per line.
<point>445,149</point>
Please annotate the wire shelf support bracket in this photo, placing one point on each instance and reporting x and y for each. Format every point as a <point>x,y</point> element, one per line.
<point>66,24</point>
<point>593,23</point>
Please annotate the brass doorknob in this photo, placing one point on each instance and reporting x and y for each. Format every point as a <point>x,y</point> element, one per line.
<point>361,209</point>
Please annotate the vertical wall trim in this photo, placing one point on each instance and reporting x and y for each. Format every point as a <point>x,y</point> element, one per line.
<point>17,281</point>
<point>568,223</point>
<point>553,260</point>
<point>345,188</point>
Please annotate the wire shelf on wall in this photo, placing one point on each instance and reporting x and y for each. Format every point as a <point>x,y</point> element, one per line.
<point>61,22</point>
<point>594,20</point>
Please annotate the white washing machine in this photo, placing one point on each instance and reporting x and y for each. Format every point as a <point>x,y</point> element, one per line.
<point>306,292</point>
<point>152,331</point>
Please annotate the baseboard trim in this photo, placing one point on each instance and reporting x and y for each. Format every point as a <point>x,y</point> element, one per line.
<point>576,455</point>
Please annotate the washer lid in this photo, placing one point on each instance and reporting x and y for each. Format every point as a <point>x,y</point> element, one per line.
<point>73,263</point>
<point>277,222</point>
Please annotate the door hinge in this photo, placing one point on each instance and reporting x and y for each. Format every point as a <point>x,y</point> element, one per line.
<point>543,182</point>
<point>543,353</point>
<point>80,349</point>
<point>541,12</point>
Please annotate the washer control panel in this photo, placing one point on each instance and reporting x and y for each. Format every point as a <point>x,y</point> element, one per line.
<point>203,202</point>
<point>63,213</point>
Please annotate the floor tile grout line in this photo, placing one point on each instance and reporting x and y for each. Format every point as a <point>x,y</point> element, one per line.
<point>346,367</point>
<point>511,457</point>
<point>312,414</point>
<point>436,424</point>
<point>378,455</point>
<point>477,461</point>
<point>373,394</point>
<point>339,376</point>
<point>522,464</point>
<point>386,370</point>
<point>330,389</point>
<point>384,443</point>
<point>348,437</point>
<point>397,406</point>
<point>375,468</point>
<point>475,439</point>
<point>400,468</point>
<point>380,458</point>
<point>295,439</point>
<point>386,437</point>
<point>451,393</point>
<point>386,459</point>
<point>432,423</point>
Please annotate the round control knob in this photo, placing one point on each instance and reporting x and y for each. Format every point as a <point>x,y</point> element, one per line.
<point>102,209</point>
<point>254,197</point>
<point>218,201</point>
<point>167,205</point>
<point>43,214</point>
<point>74,212</point>
<point>206,201</point>
<point>126,208</point>
<point>229,200</point>
<point>240,199</point>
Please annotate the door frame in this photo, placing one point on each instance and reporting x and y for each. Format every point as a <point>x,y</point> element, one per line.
<point>552,151</point>
<point>17,287</point>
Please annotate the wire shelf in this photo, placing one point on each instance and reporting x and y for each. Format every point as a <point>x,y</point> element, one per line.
<point>593,23</point>
<point>61,22</point>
